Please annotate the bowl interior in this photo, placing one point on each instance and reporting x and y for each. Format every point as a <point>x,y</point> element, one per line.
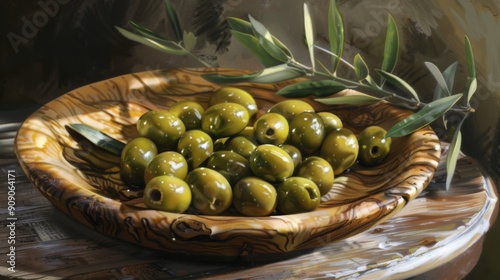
<point>84,182</point>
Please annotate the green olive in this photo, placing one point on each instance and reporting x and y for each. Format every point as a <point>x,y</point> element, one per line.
<point>340,148</point>
<point>332,122</point>
<point>190,113</point>
<point>297,195</point>
<point>162,127</point>
<point>247,131</point>
<point>212,193</point>
<point>307,132</point>
<point>231,165</point>
<point>135,157</point>
<point>319,171</point>
<point>290,108</point>
<point>224,119</point>
<point>373,145</point>
<point>271,163</point>
<point>234,95</point>
<point>166,163</point>
<point>167,193</point>
<point>241,144</point>
<point>294,153</point>
<point>196,146</point>
<point>271,128</point>
<point>254,197</point>
<point>220,144</point>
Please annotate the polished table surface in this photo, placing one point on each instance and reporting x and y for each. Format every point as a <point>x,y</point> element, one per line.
<point>439,235</point>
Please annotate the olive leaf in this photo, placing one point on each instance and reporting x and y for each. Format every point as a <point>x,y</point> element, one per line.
<point>470,58</point>
<point>362,71</point>
<point>429,113</point>
<point>269,75</point>
<point>98,138</point>
<point>400,83</point>
<point>350,100</point>
<point>471,90</point>
<point>371,82</point>
<point>310,87</point>
<point>147,32</point>
<point>449,77</point>
<point>245,27</point>
<point>173,20</point>
<point>453,152</point>
<point>471,67</point>
<point>308,28</point>
<point>282,46</point>
<point>438,76</point>
<point>266,40</point>
<point>360,68</point>
<point>391,47</point>
<point>240,25</point>
<point>152,43</point>
<point>253,45</point>
<point>335,34</point>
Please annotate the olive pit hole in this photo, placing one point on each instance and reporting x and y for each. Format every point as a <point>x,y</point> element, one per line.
<point>311,192</point>
<point>269,132</point>
<point>155,195</point>
<point>375,150</point>
<point>217,203</point>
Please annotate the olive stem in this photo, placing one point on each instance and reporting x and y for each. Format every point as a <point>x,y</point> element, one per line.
<point>390,97</point>
<point>192,54</point>
<point>332,54</point>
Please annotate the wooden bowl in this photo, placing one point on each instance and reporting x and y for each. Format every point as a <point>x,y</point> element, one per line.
<point>83,182</point>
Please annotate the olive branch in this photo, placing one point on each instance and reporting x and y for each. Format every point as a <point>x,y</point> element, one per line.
<point>280,65</point>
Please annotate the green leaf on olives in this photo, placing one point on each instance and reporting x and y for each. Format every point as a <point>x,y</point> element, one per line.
<point>312,87</point>
<point>98,138</point>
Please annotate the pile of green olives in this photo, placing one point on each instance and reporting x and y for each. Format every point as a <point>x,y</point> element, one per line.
<point>227,158</point>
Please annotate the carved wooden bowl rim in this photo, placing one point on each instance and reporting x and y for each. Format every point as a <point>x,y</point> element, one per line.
<point>360,199</point>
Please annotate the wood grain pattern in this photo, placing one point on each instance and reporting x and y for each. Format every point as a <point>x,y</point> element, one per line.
<point>84,183</point>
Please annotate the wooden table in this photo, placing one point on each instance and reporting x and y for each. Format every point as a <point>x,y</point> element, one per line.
<point>436,235</point>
